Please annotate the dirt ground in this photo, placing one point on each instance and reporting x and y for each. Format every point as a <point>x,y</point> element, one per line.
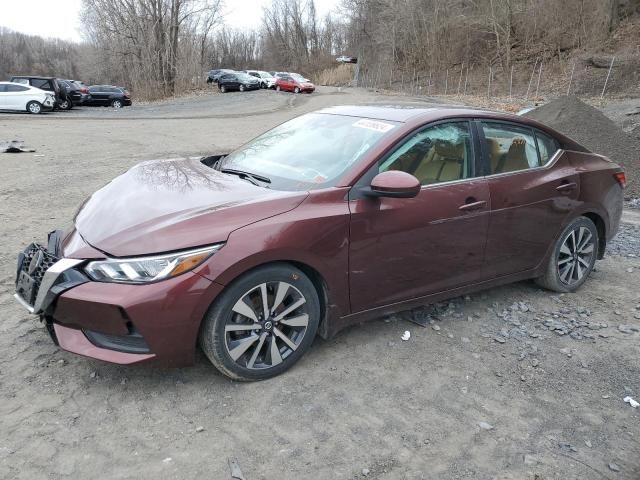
<point>511,383</point>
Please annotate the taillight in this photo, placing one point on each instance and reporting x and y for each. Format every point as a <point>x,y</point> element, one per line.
<point>621,178</point>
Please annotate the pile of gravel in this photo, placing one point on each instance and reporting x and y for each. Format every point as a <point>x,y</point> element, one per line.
<point>591,128</point>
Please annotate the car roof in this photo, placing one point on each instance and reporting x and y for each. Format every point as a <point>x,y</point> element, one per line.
<point>33,76</point>
<point>420,114</point>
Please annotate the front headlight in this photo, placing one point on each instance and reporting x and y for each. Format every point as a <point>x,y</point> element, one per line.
<point>148,269</point>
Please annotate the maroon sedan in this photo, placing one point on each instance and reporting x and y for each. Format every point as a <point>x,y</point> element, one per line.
<point>327,220</point>
<point>292,82</point>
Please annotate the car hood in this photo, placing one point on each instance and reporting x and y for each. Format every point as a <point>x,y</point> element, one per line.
<point>167,205</point>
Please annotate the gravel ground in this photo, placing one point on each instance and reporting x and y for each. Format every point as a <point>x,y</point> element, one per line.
<point>510,383</point>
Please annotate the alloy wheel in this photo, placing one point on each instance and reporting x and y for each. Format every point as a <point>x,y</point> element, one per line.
<point>267,324</point>
<point>575,257</point>
<point>242,88</point>
<point>34,107</point>
<point>116,104</point>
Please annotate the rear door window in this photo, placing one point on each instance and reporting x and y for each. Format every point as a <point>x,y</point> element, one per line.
<point>510,147</point>
<point>16,88</point>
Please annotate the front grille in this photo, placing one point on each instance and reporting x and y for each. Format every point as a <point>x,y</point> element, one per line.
<point>39,269</point>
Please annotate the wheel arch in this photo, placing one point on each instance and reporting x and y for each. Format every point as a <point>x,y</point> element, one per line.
<point>317,279</point>
<point>602,231</point>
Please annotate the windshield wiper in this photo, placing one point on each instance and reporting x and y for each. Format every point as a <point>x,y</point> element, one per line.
<point>251,177</point>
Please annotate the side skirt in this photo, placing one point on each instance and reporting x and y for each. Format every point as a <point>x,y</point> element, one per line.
<point>359,317</point>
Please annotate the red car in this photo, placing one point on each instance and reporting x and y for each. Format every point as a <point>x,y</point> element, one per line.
<point>327,220</point>
<point>292,82</point>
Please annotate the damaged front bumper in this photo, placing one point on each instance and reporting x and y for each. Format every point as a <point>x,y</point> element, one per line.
<point>114,322</point>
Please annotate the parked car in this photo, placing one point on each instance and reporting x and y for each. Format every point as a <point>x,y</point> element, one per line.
<point>237,81</point>
<point>346,59</point>
<point>294,83</point>
<point>214,75</point>
<point>325,221</point>
<point>50,84</point>
<point>74,95</point>
<point>266,79</point>
<point>79,91</point>
<point>108,96</point>
<point>25,98</point>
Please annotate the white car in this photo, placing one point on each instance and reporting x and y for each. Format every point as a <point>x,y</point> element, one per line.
<point>266,79</point>
<point>24,98</point>
<point>343,59</point>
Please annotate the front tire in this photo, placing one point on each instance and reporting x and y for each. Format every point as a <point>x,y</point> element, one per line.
<point>241,88</point>
<point>296,90</point>
<point>34,107</point>
<point>262,323</point>
<point>573,257</point>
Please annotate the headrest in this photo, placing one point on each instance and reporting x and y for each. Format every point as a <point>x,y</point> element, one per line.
<point>448,149</point>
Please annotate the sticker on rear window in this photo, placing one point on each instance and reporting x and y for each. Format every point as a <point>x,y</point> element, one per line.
<point>373,125</point>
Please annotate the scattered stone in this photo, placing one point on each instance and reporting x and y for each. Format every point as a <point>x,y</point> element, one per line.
<point>406,336</point>
<point>200,429</point>
<point>365,472</point>
<point>450,335</point>
<point>530,460</point>
<point>630,270</point>
<point>523,378</point>
<point>167,460</point>
<point>75,415</point>
<point>566,351</point>
<point>613,467</point>
<point>436,328</point>
<point>485,426</point>
<point>93,375</point>
<point>500,339</point>
<point>587,443</point>
<point>535,362</point>
<point>628,328</point>
<point>61,362</point>
<point>465,340</point>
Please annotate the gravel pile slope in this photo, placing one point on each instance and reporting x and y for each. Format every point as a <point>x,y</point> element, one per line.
<point>591,128</point>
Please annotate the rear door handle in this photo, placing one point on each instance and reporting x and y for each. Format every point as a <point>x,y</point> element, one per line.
<point>567,187</point>
<point>467,207</point>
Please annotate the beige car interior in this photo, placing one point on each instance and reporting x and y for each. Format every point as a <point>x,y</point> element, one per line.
<point>511,160</point>
<point>433,161</point>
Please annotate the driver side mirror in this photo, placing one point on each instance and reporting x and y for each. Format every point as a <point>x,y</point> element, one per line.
<point>393,184</point>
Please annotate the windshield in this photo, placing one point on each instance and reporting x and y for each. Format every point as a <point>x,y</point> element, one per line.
<point>265,75</point>
<point>309,152</point>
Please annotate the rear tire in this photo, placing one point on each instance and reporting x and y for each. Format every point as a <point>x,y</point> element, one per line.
<point>223,89</point>
<point>65,105</point>
<point>34,107</point>
<point>116,104</point>
<point>277,88</point>
<point>270,345</point>
<point>573,257</point>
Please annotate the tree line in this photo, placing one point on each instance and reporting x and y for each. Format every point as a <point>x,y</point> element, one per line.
<point>158,47</point>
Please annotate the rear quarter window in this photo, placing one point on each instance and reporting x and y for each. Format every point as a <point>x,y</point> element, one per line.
<point>547,145</point>
<point>43,84</point>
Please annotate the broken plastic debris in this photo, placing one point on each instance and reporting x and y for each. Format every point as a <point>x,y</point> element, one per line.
<point>406,335</point>
<point>631,402</point>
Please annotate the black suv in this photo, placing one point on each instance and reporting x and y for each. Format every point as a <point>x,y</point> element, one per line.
<point>108,96</point>
<point>214,75</point>
<point>49,84</point>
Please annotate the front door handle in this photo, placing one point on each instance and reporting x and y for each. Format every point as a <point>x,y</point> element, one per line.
<point>567,187</point>
<point>467,207</point>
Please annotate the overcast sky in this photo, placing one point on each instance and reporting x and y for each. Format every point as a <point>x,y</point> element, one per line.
<point>59,19</point>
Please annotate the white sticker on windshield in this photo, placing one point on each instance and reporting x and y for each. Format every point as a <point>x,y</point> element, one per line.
<point>373,125</point>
